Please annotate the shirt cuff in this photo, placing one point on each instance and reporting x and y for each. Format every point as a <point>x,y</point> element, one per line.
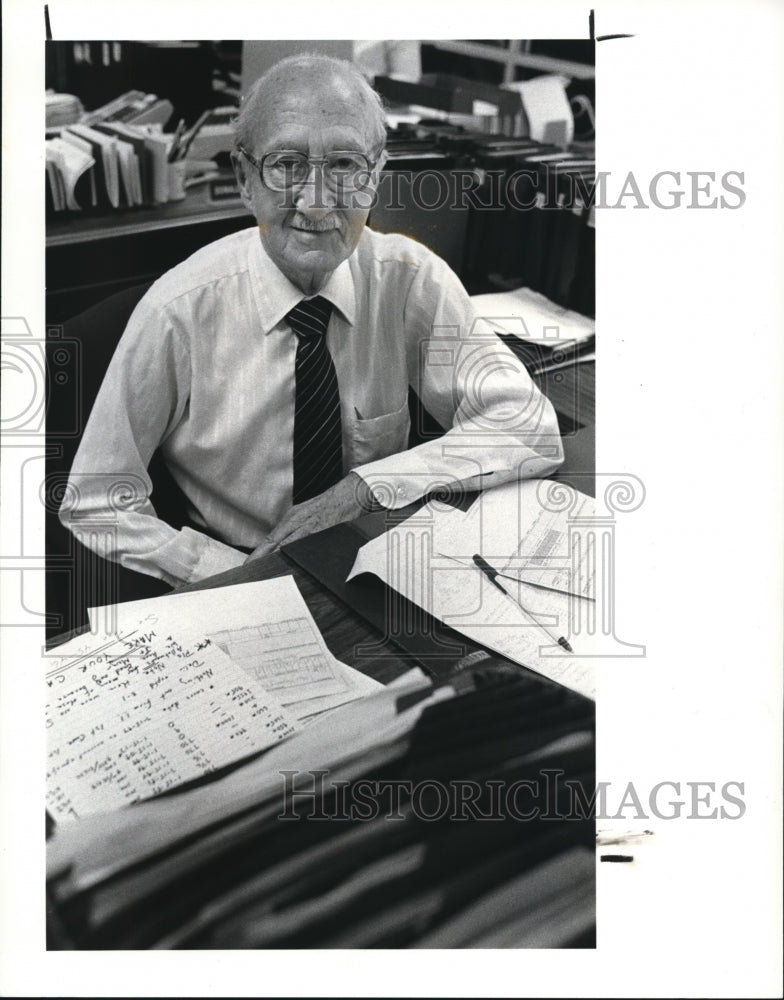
<point>402,479</point>
<point>214,557</point>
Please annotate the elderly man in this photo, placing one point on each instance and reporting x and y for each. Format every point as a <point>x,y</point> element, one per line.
<point>272,367</point>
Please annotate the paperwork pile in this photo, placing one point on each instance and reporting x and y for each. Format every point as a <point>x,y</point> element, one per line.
<point>182,686</point>
<point>420,814</point>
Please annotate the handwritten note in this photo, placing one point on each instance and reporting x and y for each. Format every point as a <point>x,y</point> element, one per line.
<point>267,630</point>
<point>134,714</point>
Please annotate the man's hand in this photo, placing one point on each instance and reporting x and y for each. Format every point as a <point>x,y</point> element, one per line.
<point>344,501</point>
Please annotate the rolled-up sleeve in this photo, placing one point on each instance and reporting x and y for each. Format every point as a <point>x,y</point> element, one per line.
<point>499,426</point>
<point>107,502</point>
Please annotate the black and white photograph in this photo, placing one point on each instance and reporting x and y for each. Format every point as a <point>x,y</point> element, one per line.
<point>355,599</point>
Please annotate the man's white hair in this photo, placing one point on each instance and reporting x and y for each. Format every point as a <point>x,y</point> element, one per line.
<point>247,125</point>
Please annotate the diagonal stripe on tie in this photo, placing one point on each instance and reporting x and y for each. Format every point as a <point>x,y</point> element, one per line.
<point>318,450</point>
<point>311,486</point>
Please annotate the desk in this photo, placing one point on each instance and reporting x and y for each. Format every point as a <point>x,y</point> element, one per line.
<point>195,209</point>
<point>238,876</point>
<point>347,632</point>
<point>572,391</point>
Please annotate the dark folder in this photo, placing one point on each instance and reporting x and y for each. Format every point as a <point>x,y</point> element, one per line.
<point>329,556</point>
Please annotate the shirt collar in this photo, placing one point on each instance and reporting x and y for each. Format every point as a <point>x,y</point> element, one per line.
<point>275,295</point>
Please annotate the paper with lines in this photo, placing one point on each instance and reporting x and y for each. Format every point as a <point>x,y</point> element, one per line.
<point>429,559</point>
<point>133,714</point>
<point>268,631</point>
<point>526,539</point>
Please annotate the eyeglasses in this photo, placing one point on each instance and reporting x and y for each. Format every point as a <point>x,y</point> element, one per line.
<point>342,170</point>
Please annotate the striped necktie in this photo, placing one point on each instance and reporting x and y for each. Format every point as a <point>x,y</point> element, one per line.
<point>318,447</point>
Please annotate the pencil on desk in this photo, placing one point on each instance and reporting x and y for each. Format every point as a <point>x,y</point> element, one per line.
<point>492,575</point>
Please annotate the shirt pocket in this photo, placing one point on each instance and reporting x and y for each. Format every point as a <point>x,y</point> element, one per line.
<point>378,437</point>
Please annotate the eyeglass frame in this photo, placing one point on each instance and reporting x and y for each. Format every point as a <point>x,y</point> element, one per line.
<point>311,161</point>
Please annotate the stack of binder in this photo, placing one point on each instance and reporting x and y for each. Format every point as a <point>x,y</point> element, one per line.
<point>557,256</point>
<point>115,157</point>
<point>107,165</point>
<point>497,232</point>
<point>533,220</point>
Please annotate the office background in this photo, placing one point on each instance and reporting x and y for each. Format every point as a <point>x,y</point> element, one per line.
<point>92,253</point>
<point>449,126</point>
<point>713,925</point>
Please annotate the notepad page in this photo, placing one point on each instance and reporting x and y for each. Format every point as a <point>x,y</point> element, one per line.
<point>131,715</point>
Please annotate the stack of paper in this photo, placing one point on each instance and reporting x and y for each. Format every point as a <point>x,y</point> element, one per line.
<point>133,715</point>
<point>395,821</point>
<point>167,690</point>
<point>533,317</point>
<point>62,109</point>
<point>546,335</point>
<point>448,815</point>
<point>268,631</point>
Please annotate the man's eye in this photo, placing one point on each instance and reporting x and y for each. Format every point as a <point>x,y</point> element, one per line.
<point>345,163</point>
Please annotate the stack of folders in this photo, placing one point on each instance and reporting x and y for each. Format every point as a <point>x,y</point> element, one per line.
<point>420,816</point>
<point>544,236</point>
<point>106,165</point>
<point>558,252</point>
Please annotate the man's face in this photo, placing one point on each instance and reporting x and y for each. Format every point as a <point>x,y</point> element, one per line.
<point>309,229</point>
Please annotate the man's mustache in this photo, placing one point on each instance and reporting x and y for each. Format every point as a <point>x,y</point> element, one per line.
<point>324,225</point>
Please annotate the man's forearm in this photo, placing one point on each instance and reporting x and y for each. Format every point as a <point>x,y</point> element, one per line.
<point>124,529</point>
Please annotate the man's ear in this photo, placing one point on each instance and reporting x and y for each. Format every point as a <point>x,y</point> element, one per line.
<point>242,174</point>
<point>381,163</point>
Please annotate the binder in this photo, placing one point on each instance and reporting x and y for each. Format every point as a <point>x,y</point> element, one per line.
<point>76,180</point>
<point>143,156</point>
<point>537,169</point>
<point>104,151</point>
<point>562,248</point>
<point>89,194</point>
<point>576,266</point>
<point>496,235</point>
<point>583,292</point>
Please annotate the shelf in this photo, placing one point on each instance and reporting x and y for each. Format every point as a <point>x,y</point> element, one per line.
<point>512,57</point>
<point>194,210</point>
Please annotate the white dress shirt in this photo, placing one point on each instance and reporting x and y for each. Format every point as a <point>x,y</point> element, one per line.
<point>205,371</point>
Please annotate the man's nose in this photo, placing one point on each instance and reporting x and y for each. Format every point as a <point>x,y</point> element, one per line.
<point>313,193</point>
